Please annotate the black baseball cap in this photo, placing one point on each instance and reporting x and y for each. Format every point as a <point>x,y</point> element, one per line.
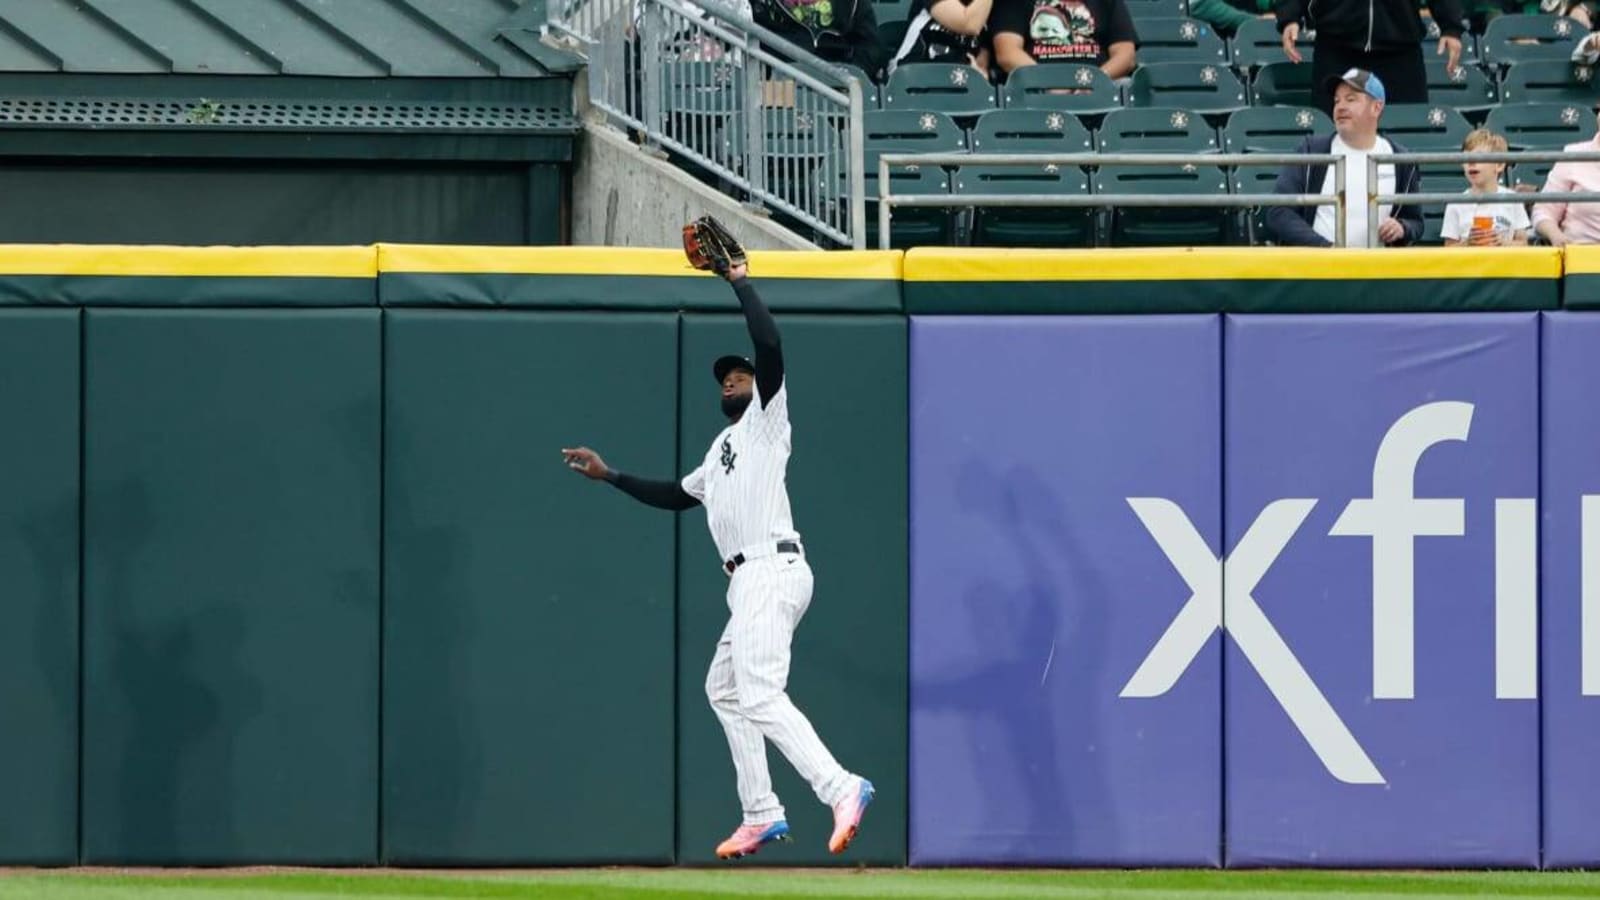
<point>727,364</point>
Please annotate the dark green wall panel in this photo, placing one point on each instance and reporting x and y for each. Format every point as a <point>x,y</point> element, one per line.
<point>847,485</point>
<point>528,651</point>
<point>230,610</point>
<point>184,290</point>
<point>39,574</point>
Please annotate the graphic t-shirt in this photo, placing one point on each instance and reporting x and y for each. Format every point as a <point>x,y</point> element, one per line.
<point>1066,30</point>
<point>814,14</point>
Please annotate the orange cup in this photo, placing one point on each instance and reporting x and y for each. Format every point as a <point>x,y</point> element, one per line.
<point>1483,223</point>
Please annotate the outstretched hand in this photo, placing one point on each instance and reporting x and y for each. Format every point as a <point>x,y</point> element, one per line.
<point>585,462</point>
<point>734,273</point>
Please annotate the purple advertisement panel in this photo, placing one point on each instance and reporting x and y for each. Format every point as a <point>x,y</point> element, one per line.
<point>1569,502</point>
<point>1380,592</point>
<point>1044,450</point>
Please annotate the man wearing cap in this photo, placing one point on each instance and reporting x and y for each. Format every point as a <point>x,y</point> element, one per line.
<point>1358,102</point>
<point>741,484</point>
<point>1380,36</point>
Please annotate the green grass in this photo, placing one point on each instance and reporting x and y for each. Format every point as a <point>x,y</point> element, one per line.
<point>672,884</point>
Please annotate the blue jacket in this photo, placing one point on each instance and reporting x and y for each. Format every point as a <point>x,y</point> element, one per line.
<point>1291,225</point>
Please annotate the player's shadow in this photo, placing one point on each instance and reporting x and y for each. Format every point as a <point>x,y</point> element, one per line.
<point>1041,628</point>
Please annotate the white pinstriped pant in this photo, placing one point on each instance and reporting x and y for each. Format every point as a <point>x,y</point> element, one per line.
<point>747,683</point>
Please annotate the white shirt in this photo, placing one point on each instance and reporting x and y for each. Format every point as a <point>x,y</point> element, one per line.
<point>741,482</point>
<point>1509,217</point>
<point>1355,201</point>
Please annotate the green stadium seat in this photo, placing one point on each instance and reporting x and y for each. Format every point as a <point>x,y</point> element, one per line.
<point>1549,81</point>
<point>1156,131</point>
<point>1166,226</point>
<point>1469,91</point>
<point>700,101</point>
<point>1180,40</point>
<point>1257,43</point>
<point>1282,84</point>
<point>1030,131</point>
<point>1519,38</point>
<point>1254,180</point>
<point>1080,89</point>
<point>1423,127</point>
<point>1533,173</point>
<point>911,227</point>
<point>1144,10</point>
<point>891,10</point>
<point>1439,178</point>
<point>1198,87</point>
<point>1542,126</point>
<point>869,88</point>
<point>1273,129</point>
<point>951,88</point>
<point>905,131</point>
<point>1028,226</point>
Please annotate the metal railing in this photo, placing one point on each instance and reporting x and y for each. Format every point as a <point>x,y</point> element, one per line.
<point>1376,200</point>
<point>760,114</point>
<point>888,200</point>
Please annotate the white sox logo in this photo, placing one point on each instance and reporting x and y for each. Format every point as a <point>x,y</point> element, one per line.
<point>1393,517</point>
<point>728,457</point>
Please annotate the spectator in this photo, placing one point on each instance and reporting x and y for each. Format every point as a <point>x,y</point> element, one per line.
<point>1490,220</point>
<point>1380,36</point>
<point>1563,223</point>
<point>1098,32</point>
<point>947,31</point>
<point>1357,106</point>
<point>841,31</point>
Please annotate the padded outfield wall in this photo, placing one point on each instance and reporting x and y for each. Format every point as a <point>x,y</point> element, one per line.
<point>293,573</point>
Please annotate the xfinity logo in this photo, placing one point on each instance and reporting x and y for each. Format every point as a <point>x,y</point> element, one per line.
<point>1393,518</point>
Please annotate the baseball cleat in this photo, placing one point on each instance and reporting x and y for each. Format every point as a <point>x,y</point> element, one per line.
<point>847,815</point>
<point>747,839</point>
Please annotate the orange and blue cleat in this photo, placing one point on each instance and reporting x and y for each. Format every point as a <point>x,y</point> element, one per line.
<point>847,815</point>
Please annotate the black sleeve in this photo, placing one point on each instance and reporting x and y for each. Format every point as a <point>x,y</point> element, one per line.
<point>764,334</point>
<point>1289,12</point>
<point>1009,15</point>
<point>660,494</point>
<point>1449,16</point>
<point>1287,223</point>
<point>1410,215</point>
<point>1119,26</point>
<point>866,51</point>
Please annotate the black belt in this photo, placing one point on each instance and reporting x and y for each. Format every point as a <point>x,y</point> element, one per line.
<point>739,560</point>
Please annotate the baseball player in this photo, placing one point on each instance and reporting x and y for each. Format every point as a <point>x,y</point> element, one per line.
<point>741,484</point>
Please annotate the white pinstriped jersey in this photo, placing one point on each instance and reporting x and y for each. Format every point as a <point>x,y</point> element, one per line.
<point>742,481</point>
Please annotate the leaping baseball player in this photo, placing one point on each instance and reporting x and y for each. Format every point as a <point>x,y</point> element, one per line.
<point>741,483</point>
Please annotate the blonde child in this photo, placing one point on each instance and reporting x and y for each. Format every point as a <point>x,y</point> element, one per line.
<point>1490,220</point>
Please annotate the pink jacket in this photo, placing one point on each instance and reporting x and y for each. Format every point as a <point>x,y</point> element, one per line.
<point>1580,222</point>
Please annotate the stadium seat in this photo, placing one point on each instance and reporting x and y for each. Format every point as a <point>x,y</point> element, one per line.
<point>1519,38</point>
<point>951,88</point>
<point>869,88</point>
<point>1533,173</point>
<point>1165,226</point>
<point>891,10</point>
<point>1549,81</point>
<point>1439,178</point>
<point>1542,126</point>
<point>1421,126</point>
<point>1084,90</point>
<point>1254,180</point>
<point>1257,43</point>
<point>901,131</point>
<point>1198,87</point>
<point>700,100</point>
<point>1144,10</point>
<point>1273,129</point>
<point>1156,131</point>
<point>1469,91</point>
<point>911,227</point>
<point>1030,131</point>
<point>1028,226</point>
<point>1179,40</point>
<point>1282,84</point>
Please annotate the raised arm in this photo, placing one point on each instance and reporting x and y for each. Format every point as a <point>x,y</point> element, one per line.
<point>763,333</point>
<point>660,494</point>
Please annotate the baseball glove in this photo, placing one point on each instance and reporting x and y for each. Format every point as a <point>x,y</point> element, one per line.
<point>710,246</point>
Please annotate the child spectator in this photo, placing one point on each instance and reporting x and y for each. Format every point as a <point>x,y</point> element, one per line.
<point>1494,217</point>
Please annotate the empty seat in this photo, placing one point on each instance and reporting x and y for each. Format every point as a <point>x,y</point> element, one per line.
<point>1469,90</point>
<point>1167,225</point>
<point>1001,226</point>
<point>1156,131</point>
<point>1258,43</point>
<point>869,88</point>
<point>1179,40</point>
<point>1273,129</point>
<point>1030,131</point>
<point>1199,87</point>
<point>1521,38</point>
<point>898,131</point>
<point>1549,81</point>
<point>1542,126</point>
<point>1081,89</point>
<point>1282,84</point>
<point>1144,10</point>
<point>952,88</point>
<point>1424,127</point>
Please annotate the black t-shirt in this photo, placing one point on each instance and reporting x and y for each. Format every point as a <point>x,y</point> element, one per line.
<point>1065,30</point>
